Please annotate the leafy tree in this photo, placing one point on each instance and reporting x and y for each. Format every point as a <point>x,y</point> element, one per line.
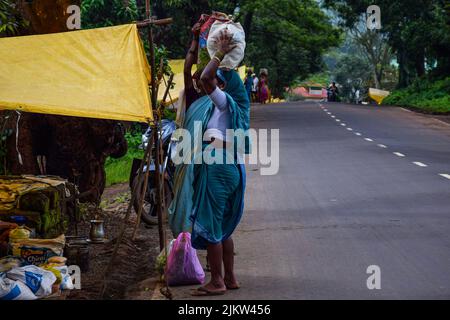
<point>101,13</point>
<point>417,30</point>
<point>375,49</point>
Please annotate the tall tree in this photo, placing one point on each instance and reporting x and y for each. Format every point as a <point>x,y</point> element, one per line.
<point>418,31</point>
<point>374,47</point>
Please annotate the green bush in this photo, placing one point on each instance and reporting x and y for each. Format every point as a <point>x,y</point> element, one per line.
<point>423,95</point>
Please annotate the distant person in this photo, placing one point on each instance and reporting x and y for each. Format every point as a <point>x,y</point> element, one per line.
<point>248,83</point>
<point>263,88</point>
<point>255,88</point>
<point>333,92</point>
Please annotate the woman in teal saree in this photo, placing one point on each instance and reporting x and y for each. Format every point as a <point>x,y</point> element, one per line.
<point>209,198</point>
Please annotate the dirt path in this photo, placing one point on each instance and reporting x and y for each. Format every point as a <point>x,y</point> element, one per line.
<point>133,275</point>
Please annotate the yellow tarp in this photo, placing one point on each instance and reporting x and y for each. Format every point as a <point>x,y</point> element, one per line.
<point>177,67</point>
<point>100,73</point>
<point>378,95</point>
<point>242,72</point>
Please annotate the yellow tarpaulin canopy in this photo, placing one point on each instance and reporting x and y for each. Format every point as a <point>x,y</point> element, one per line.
<point>177,67</point>
<point>99,73</point>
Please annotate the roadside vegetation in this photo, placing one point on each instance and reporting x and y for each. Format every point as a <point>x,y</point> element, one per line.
<point>423,95</point>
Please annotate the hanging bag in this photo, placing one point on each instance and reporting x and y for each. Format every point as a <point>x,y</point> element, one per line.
<point>183,266</point>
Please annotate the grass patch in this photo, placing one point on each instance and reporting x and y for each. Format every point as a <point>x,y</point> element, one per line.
<point>423,96</point>
<point>118,170</point>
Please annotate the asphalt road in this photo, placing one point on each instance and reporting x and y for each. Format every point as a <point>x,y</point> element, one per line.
<point>364,190</point>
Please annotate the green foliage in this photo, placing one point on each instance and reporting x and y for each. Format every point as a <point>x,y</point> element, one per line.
<point>10,20</point>
<point>423,95</point>
<point>102,13</point>
<point>417,30</point>
<point>170,114</point>
<point>288,37</point>
<point>322,78</point>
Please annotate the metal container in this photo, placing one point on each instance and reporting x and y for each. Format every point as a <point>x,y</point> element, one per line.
<point>97,232</point>
<point>77,252</point>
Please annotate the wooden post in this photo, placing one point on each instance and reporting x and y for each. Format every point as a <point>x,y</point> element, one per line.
<point>142,177</point>
<point>134,192</point>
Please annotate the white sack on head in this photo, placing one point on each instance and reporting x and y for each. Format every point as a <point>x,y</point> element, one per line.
<point>235,56</point>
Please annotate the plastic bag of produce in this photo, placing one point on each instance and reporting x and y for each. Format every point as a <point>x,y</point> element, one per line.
<point>14,290</point>
<point>38,251</point>
<point>183,266</point>
<point>235,56</point>
<point>161,259</point>
<point>39,281</point>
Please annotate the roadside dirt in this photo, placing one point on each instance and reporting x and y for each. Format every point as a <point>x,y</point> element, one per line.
<point>133,275</point>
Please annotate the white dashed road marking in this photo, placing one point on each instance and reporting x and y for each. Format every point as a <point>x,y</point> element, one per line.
<point>398,154</point>
<point>420,164</point>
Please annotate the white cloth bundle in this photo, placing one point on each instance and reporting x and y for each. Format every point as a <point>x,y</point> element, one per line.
<point>235,56</point>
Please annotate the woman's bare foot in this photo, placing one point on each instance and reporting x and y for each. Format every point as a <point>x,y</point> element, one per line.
<point>211,289</point>
<point>231,283</point>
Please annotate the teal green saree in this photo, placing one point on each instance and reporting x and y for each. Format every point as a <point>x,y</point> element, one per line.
<point>209,199</point>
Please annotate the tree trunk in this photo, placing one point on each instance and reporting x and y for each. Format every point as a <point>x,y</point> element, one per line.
<point>403,76</point>
<point>46,16</point>
<point>248,19</point>
<point>419,62</point>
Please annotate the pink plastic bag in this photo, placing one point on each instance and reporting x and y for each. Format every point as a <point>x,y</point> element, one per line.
<point>183,266</point>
